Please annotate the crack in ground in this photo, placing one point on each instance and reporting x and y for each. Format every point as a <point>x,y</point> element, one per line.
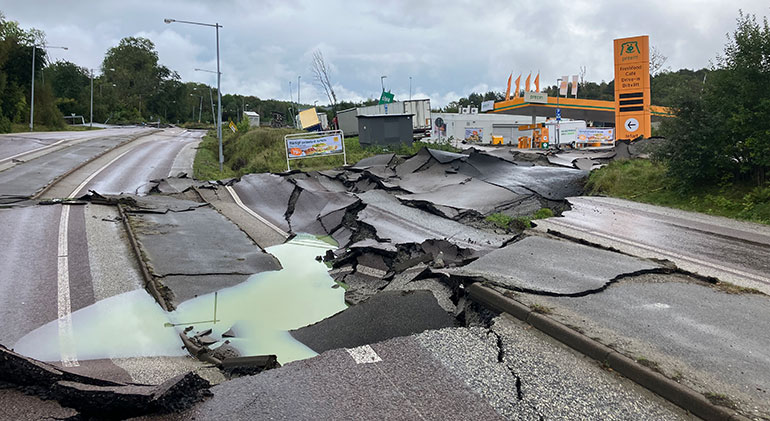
<point>501,360</point>
<point>203,274</point>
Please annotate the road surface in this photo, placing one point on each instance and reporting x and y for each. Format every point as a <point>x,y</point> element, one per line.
<point>729,250</point>
<point>59,259</point>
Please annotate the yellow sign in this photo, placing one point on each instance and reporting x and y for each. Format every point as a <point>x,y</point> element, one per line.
<point>233,127</point>
<point>632,87</point>
<point>530,126</point>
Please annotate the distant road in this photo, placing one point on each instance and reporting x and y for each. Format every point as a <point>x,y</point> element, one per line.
<point>733,251</point>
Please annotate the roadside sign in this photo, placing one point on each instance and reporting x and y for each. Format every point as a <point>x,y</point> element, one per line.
<point>233,127</point>
<point>313,145</point>
<point>558,114</point>
<point>531,126</point>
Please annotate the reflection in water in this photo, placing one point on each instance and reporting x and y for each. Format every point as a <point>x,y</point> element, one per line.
<point>260,311</point>
<point>263,309</point>
<point>123,326</point>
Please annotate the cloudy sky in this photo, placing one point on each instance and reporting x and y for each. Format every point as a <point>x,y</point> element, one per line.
<point>449,48</point>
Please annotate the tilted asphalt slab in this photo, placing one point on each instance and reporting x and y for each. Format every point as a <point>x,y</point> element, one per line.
<point>268,195</point>
<point>717,342</point>
<point>552,266</point>
<point>403,224</point>
<point>197,251</point>
<point>385,315</point>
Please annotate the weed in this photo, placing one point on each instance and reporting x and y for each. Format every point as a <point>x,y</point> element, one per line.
<point>539,308</point>
<point>720,399</point>
<point>735,289</point>
<point>652,365</point>
<point>543,213</point>
<point>501,220</point>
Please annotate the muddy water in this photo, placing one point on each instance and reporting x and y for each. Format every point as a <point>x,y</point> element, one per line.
<point>260,311</point>
<point>263,309</point>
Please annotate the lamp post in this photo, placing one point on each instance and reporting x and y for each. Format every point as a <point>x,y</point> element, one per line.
<point>32,92</point>
<point>91,123</point>
<point>410,88</point>
<point>211,95</point>
<point>219,90</point>
<point>382,82</point>
<point>298,77</point>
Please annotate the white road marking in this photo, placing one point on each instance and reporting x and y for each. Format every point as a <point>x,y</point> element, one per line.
<point>667,253</point>
<point>91,177</point>
<point>66,336</point>
<point>254,214</point>
<point>35,150</point>
<point>363,355</point>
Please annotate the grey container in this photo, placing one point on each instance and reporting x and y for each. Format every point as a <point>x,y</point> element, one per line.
<point>385,129</point>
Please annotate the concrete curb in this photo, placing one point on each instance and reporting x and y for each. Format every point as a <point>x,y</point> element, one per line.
<point>61,177</point>
<point>680,395</point>
<point>149,280</point>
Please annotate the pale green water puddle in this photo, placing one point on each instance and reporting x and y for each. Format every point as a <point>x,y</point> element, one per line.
<point>260,310</point>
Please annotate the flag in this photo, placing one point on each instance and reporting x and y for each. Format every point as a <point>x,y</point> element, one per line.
<point>574,85</point>
<point>563,86</point>
<point>537,82</point>
<point>518,83</point>
<point>526,82</point>
<point>508,91</point>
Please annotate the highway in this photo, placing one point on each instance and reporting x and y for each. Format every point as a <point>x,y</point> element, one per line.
<point>729,250</point>
<point>59,259</point>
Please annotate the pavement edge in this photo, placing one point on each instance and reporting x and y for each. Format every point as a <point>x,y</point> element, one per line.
<point>149,281</point>
<point>680,395</point>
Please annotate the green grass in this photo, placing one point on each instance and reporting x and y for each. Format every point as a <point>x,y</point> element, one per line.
<point>645,181</point>
<point>521,223</point>
<point>261,150</point>
<point>21,128</point>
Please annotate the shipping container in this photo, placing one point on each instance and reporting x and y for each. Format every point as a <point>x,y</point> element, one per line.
<point>419,108</point>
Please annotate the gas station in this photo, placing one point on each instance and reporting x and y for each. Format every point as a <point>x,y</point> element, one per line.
<point>630,113</point>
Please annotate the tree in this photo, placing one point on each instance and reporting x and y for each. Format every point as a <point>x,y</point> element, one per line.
<point>722,131</point>
<point>657,60</point>
<point>321,76</point>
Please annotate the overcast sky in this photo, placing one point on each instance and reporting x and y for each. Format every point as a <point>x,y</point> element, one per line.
<point>449,48</point>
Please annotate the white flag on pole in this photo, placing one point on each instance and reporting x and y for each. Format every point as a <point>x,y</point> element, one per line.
<point>574,85</point>
<point>563,86</point>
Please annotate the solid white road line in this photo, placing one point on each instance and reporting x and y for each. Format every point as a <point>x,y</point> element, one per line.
<point>666,253</point>
<point>91,177</point>
<point>36,150</point>
<point>66,336</point>
<point>254,214</point>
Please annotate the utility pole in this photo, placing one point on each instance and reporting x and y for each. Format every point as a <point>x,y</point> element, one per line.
<point>91,124</point>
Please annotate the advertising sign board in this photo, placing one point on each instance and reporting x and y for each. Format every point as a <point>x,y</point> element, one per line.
<point>488,105</point>
<point>632,87</point>
<point>312,145</point>
<point>595,135</point>
<point>536,97</point>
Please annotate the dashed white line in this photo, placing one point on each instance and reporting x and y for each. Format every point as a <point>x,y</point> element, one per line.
<point>66,335</point>
<point>363,355</point>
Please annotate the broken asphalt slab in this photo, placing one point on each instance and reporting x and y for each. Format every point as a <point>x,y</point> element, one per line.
<point>268,195</point>
<point>383,316</point>
<point>401,224</point>
<point>197,251</point>
<point>94,397</point>
<point>552,267</point>
<point>715,341</point>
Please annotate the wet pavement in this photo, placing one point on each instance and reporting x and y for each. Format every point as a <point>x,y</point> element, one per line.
<point>729,250</point>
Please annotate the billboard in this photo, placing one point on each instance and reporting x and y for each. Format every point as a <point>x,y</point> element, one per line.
<point>313,145</point>
<point>488,105</point>
<point>632,87</point>
<point>474,134</point>
<point>595,135</point>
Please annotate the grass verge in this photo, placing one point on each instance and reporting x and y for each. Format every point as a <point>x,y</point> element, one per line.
<point>519,223</point>
<point>260,150</point>
<point>645,181</point>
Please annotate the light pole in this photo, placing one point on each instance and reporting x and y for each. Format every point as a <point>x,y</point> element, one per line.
<point>298,77</point>
<point>211,95</point>
<point>32,92</point>
<point>410,88</point>
<point>219,90</point>
<point>382,82</point>
<point>91,123</point>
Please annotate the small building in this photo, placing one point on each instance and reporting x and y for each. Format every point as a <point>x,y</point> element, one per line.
<point>253,118</point>
<point>479,128</point>
<point>385,129</point>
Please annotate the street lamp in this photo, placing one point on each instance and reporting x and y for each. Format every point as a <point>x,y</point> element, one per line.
<point>382,82</point>
<point>410,88</point>
<point>32,92</point>
<point>211,96</point>
<point>298,77</point>
<point>219,90</point>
